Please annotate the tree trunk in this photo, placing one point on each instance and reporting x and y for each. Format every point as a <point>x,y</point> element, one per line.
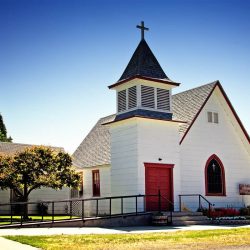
<point>25,206</point>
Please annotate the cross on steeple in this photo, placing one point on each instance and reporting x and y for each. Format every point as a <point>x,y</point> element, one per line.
<point>142,28</point>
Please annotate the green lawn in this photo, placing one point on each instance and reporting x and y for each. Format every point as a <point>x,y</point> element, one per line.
<point>5,219</point>
<point>210,239</point>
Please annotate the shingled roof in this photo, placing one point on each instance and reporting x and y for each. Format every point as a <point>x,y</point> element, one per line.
<point>12,148</point>
<point>95,148</point>
<point>187,104</point>
<point>143,63</point>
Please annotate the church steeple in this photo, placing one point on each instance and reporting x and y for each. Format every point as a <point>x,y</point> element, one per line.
<point>143,63</point>
<point>144,89</point>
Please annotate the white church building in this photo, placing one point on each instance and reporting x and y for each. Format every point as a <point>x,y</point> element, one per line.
<point>190,143</point>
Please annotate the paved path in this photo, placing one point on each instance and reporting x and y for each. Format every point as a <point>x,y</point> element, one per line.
<point>98,230</point>
<point>13,245</point>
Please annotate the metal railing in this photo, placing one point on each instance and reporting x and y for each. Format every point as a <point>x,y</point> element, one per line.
<point>170,203</point>
<point>77,208</point>
<point>200,199</point>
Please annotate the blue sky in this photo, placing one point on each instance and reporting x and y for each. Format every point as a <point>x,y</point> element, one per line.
<point>58,57</point>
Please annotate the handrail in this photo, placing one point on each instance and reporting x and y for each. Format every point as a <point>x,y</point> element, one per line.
<point>82,206</point>
<point>206,200</point>
<point>74,199</point>
<point>200,207</point>
<point>171,203</point>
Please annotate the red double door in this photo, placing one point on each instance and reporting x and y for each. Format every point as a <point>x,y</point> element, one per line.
<point>158,177</point>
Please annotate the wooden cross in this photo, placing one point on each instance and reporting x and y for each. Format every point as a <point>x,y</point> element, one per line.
<point>142,28</point>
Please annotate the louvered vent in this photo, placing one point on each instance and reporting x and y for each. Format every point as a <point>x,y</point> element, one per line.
<point>163,99</point>
<point>132,97</point>
<point>147,97</point>
<point>122,100</point>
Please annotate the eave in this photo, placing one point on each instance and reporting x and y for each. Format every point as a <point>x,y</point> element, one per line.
<point>165,81</point>
<point>145,117</point>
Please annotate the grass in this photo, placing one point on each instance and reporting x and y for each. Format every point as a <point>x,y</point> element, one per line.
<point>5,219</point>
<point>208,239</point>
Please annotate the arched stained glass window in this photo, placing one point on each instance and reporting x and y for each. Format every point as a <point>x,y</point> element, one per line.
<point>215,177</point>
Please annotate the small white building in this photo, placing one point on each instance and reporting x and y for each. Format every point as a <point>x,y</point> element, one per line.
<point>191,143</point>
<point>37,195</point>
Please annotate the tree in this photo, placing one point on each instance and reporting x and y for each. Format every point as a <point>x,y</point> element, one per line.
<point>36,167</point>
<point>3,131</point>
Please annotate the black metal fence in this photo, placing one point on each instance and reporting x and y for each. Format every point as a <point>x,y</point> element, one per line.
<point>101,207</point>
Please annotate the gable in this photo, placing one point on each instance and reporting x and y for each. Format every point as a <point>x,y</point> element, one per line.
<point>220,94</point>
<point>232,117</point>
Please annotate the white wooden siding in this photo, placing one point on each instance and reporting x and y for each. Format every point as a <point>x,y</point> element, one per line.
<point>90,206</point>
<point>223,139</point>
<point>4,198</point>
<point>136,141</point>
<point>43,194</point>
<point>158,139</point>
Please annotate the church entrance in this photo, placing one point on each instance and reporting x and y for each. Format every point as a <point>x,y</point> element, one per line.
<point>158,177</point>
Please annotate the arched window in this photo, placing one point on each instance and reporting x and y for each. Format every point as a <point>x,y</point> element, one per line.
<point>215,177</point>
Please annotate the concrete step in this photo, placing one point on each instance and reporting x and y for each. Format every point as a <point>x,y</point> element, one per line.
<point>188,218</point>
<point>178,214</point>
<point>191,222</point>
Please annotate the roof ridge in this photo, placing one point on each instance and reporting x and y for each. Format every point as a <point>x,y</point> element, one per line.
<point>25,144</point>
<point>201,86</point>
<point>17,143</point>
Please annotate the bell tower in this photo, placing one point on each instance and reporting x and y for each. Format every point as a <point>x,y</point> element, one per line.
<point>143,130</point>
<point>144,89</point>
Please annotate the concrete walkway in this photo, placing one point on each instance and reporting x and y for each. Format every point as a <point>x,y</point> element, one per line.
<point>98,230</point>
<point>13,245</point>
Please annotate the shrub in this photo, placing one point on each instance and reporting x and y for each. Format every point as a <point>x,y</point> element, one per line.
<point>245,211</point>
<point>224,212</point>
<point>42,208</point>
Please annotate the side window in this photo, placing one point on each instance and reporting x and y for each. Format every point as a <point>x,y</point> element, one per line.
<point>212,117</point>
<point>209,116</point>
<point>216,118</point>
<point>96,182</point>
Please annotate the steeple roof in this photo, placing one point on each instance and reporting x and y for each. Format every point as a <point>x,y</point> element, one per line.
<point>143,63</point>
